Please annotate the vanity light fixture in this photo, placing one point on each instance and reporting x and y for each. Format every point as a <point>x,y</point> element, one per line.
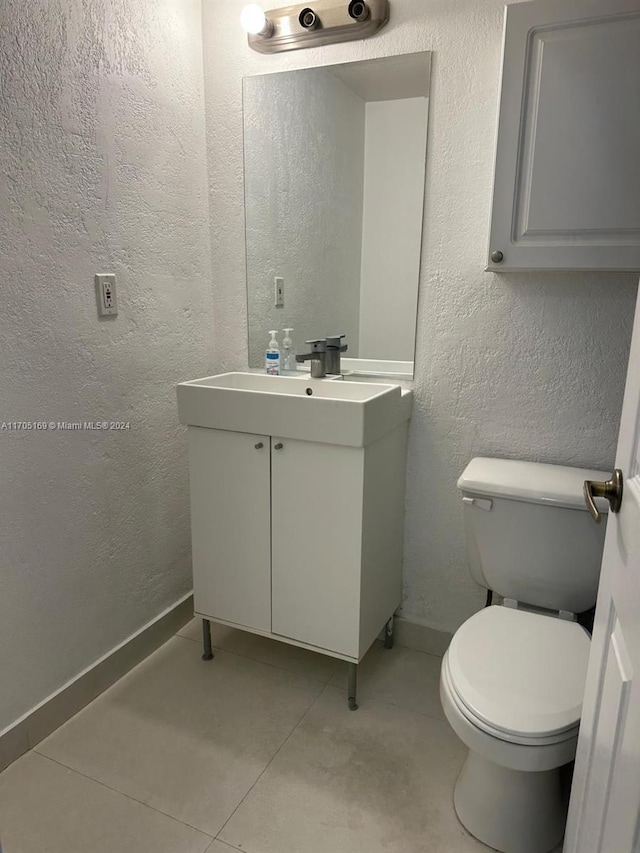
<point>309,19</point>
<point>358,10</point>
<point>255,22</point>
<point>322,22</point>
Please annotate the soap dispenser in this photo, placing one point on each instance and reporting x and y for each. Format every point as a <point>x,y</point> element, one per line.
<point>288,353</point>
<point>272,355</point>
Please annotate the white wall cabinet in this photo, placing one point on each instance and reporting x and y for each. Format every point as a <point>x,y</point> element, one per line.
<point>567,172</point>
<point>300,541</point>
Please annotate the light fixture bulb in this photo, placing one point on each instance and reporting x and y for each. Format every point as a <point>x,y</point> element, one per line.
<point>254,20</point>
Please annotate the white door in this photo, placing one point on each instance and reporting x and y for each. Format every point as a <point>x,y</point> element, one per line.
<point>567,180</point>
<point>604,814</point>
<point>316,543</point>
<point>231,526</point>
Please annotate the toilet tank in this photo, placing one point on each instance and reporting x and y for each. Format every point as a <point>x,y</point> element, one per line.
<point>529,534</point>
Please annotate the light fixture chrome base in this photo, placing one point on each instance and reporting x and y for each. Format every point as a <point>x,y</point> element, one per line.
<point>331,23</point>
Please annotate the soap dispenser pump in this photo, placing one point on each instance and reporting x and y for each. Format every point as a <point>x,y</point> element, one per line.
<point>272,355</point>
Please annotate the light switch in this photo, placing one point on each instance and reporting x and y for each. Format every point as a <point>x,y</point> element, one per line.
<point>278,292</point>
<point>106,293</point>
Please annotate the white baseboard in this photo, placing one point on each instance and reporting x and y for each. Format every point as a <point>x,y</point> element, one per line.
<point>50,714</point>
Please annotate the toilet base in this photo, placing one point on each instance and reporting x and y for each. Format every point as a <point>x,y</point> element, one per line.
<point>513,811</point>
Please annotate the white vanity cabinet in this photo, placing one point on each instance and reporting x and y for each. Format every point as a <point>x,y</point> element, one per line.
<point>298,540</point>
<point>567,171</point>
<point>297,508</point>
<point>230,484</point>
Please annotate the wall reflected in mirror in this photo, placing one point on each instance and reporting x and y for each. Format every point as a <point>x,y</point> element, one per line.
<point>334,195</point>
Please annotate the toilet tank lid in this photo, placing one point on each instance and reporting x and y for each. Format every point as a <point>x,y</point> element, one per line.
<point>533,482</point>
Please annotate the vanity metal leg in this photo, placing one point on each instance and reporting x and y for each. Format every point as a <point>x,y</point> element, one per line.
<point>352,686</point>
<point>206,640</point>
<point>388,634</point>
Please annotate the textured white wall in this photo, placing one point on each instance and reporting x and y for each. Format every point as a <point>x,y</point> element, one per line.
<point>529,365</point>
<point>102,168</point>
<point>394,167</point>
<point>304,142</point>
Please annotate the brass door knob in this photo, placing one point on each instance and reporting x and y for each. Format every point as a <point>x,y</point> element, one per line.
<point>611,490</point>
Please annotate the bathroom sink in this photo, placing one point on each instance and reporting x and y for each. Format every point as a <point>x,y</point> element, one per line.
<point>327,411</point>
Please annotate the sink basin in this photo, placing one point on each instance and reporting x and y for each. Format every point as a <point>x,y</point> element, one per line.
<point>327,411</point>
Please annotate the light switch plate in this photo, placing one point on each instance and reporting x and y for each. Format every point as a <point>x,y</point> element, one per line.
<point>106,294</point>
<point>278,291</point>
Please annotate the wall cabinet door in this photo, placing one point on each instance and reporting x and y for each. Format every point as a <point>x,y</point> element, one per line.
<point>231,525</point>
<point>567,175</point>
<point>316,492</point>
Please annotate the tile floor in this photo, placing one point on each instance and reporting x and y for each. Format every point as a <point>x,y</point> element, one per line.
<point>254,751</point>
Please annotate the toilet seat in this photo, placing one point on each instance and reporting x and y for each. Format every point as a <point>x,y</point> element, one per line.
<point>493,731</point>
<point>519,676</point>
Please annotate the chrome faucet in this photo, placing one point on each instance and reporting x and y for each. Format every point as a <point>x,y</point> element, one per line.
<point>334,348</point>
<point>324,356</point>
<point>317,357</point>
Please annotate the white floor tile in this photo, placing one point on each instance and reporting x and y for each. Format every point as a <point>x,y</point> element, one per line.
<point>400,676</point>
<point>378,780</point>
<point>186,736</point>
<point>45,808</point>
<point>191,739</point>
<point>292,658</point>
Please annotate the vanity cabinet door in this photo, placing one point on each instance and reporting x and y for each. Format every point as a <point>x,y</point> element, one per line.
<point>567,174</point>
<point>316,492</point>
<point>230,526</point>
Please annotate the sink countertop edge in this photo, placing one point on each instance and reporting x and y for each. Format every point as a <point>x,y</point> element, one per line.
<point>197,407</point>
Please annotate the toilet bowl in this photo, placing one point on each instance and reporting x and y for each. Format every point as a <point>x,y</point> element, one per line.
<point>513,678</point>
<point>511,688</point>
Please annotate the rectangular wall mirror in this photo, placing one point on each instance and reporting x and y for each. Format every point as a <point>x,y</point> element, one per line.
<point>334,194</point>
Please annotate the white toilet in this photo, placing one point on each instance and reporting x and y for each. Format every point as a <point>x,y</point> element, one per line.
<point>513,677</point>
